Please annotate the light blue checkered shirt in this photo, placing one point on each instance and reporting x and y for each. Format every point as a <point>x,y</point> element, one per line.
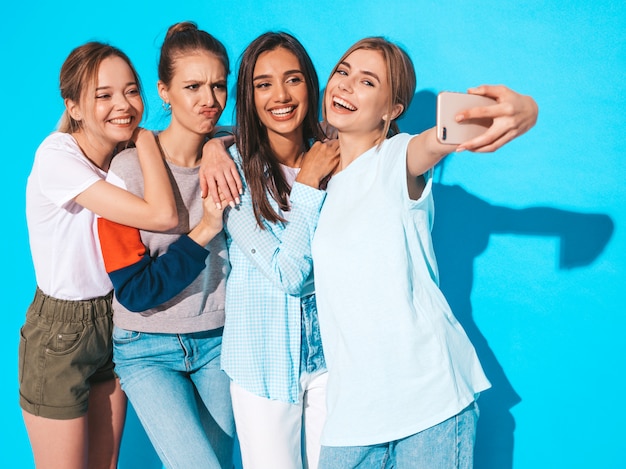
<point>261,343</point>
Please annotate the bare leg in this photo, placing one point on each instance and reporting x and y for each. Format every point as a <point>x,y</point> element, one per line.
<point>106,416</point>
<point>57,444</point>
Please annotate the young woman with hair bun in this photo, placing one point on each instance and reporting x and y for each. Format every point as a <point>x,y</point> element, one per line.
<point>170,286</point>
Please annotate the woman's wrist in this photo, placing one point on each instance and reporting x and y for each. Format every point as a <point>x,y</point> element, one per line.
<point>308,179</point>
<point>203,233</point>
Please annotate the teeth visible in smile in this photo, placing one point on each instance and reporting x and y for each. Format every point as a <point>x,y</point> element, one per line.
<point>282,111</point>
<point>121,121</point>
<point>344,103</point>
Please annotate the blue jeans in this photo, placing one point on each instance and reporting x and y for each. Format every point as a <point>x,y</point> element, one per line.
<point>311,352</point>
<point>180,395</point>
<point>448,445</point>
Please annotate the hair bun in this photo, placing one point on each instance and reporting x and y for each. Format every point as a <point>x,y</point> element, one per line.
<point>181,27</point>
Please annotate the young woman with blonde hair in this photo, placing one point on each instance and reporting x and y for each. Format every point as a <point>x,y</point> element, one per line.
<point>403,377</point>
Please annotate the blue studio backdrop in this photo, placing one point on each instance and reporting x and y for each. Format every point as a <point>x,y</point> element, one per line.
<point>530,240</point>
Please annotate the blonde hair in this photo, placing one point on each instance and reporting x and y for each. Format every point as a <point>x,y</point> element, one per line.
<point>80,70</point>
<point>400,76</point>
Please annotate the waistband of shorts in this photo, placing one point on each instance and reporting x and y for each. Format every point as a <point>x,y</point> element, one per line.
<point>71,310</point>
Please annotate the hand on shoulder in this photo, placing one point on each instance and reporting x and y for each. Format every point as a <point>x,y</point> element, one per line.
<point>318,163</point>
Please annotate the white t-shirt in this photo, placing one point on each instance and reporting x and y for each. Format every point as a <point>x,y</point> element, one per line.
<point>63,238</point>
<point>398,360</point>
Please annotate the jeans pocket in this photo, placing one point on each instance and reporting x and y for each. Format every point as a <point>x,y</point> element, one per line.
<point>124,336</point>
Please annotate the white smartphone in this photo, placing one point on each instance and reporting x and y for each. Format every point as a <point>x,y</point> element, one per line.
<point>449,104</point>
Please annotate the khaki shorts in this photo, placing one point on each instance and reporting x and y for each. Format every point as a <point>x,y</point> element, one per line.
<point>65,347</point>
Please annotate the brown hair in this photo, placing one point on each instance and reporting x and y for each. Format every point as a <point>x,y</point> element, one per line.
<point>185,37</point>
<point>80,70</point>
<point>400,75</point>
<point>260,167</point>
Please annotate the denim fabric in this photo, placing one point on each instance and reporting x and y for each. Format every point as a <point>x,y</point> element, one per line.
<point>312,354</point>
<point>448,445</point>
<point>179,393</point>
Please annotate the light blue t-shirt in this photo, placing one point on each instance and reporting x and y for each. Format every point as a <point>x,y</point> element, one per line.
<point>398,360</point>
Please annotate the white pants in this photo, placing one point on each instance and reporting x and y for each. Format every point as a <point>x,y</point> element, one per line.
<point>278,435</point>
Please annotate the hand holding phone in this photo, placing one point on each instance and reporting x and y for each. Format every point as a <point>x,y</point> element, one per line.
<point>449,104</point>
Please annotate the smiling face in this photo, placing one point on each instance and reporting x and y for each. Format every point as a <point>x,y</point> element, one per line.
<point>197,92</point>
<point>110,110</point>
<point>358,95</point>
<point>280,93</point>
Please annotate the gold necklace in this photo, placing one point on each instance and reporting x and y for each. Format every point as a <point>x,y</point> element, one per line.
<point>166,155</point>
<point>162,150</point>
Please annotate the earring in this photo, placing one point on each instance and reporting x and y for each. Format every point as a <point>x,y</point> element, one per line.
<point>166,106</point>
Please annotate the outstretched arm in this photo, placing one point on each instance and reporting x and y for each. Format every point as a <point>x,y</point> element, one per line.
<point>513,115</point>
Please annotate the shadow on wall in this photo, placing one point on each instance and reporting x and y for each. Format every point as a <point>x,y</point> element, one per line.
<point>583,237</point>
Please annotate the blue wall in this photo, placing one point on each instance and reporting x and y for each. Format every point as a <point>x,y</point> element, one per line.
<point>530,240</point>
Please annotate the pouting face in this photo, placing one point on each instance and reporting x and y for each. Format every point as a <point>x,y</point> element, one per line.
<point>280,92</point>
<point>197,92</point>
<point>358,93</point>
<point>110,110</point>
